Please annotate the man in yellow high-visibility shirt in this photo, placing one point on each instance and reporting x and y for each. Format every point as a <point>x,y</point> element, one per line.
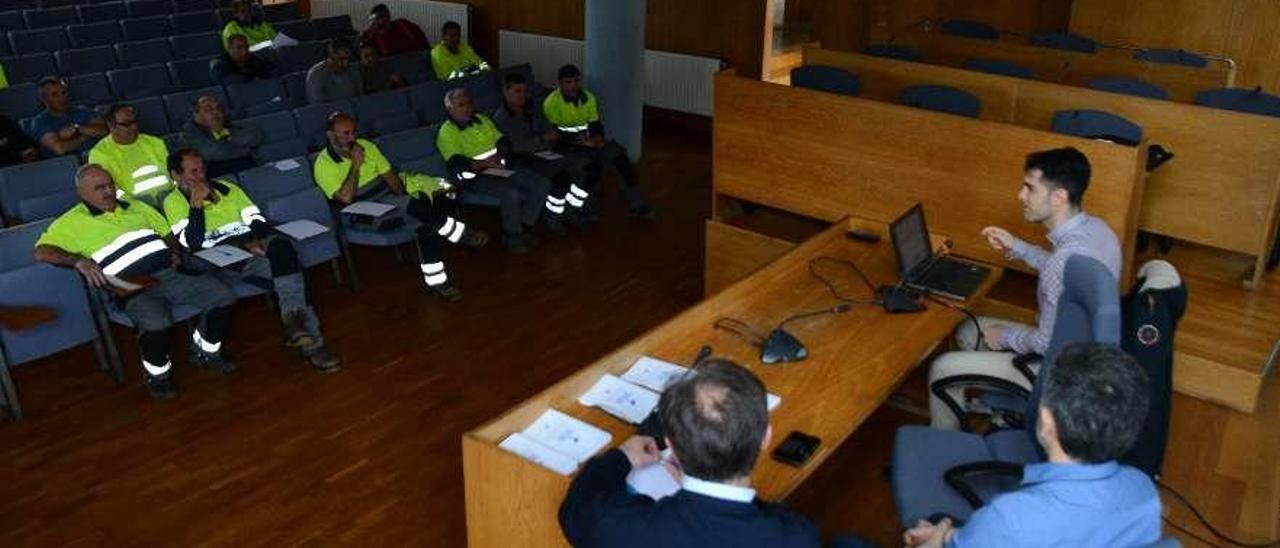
<point>135,160</point>
<point>453,58</point>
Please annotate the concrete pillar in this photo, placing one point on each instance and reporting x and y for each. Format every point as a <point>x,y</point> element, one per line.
<point>615,67</point>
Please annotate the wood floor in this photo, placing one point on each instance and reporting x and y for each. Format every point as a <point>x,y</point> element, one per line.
<point>278,455</point>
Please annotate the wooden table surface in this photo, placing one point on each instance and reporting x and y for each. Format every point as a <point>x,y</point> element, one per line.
<point>856,359</point>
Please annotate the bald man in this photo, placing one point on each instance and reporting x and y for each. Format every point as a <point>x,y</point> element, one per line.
<point>119,245</point>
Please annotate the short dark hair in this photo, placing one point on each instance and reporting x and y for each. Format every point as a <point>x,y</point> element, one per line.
<point>1065,168</point>
<point>195,101</point>
<point>113,109</point>
<point>513,79</point>
<point>380,9</point>
<point>716,418</point>
<point>1098,396</point>
<point>51,80</point>
<point>450,25</point>
<point>568,71</point>
<point>174,161</point>
<point>339,44</point>
<point>334,117</point>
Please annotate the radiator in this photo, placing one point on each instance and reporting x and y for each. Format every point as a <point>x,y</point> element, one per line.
<point>673,81</point>
<point>428,15</point>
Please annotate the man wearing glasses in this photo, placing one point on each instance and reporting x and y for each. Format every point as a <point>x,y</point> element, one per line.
<point>135,160</point>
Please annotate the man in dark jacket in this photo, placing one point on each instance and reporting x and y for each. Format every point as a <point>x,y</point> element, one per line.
<point>238,65</point>
<point>717,424</point>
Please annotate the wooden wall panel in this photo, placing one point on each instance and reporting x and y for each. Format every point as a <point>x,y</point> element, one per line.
<point>1241,29</point>
<point>732,30</point>
<point>893,17</point>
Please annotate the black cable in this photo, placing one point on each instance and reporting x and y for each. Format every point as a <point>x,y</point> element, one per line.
<point>1188,533</point>
<point>739,328</point>
<point>837,309</point>
<point>831,286</point>
<point>977,327</point>
<point>1212,529</point>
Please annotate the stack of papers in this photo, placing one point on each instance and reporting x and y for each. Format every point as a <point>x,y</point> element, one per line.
<point>557,441</point>
<point>654,374</point>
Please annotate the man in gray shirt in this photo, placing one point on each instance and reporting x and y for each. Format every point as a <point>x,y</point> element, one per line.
<point>532,138</point>
<point>226,147</point>
<point>336,77</point>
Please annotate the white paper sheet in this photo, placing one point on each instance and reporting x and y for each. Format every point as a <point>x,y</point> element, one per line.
<point>286,164</point>
<point>653,373</point>
<point>654,481</point>
<point>771,401</point>
<point>567,435</point>
<point>620,399</point>
<point>302,229</point>
<point>528,448</point>
<point>122,284</point>
<point>223,255</point>
<point>372,209</point>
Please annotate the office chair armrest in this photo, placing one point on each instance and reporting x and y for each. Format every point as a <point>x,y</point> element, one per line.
<point>1022,362</point>
<point>960,477</point>
<point>939,388</point>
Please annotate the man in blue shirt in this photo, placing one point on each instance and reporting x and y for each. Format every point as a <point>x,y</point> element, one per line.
<point>61,128</point>
<point>717,424</point>
<point>1094,404</point>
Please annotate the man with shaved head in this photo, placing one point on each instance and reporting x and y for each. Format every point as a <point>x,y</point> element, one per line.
<point>717,424</point>
<point>119,245</point>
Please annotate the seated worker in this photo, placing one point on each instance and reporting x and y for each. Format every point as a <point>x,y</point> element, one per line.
<point>375,74</point>
<point>335,77</point>
<point>136,161</point>
<point>471,145</point>
<point>351,169</point>
<point>1092,408</point>
<point>575,113</point>
<point>717,424</point>
<point>227,147</point>
<point>238,65</point>
<point>16,147</point>
<point>4,78</point>
<point>106,239</point>
<point>245,22</point>
<point>452,58</point>
<point>392,37</point>
<point>529,133</point>
<point>62,128</point>
<point>204,213</point>
<point>1052,195</point>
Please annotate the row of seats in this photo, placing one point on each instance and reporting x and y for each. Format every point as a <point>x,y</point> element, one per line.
<point>1070,42</point>
<point>21,100</point>
<point>178,5</point>
<point>29,19</point>
<point>837,80</point>
<point>21,42</point>
<point>32,191</point>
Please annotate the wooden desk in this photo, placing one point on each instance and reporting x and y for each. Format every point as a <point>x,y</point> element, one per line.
<point>856,360</point>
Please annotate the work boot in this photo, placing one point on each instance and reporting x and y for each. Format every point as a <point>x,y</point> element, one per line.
<point>296,334</point>
<point>554,226</point>
<point>474,238</point>
<point>161,387</point>
<point>321,358</point>
<point>447,292</point>
<point>212,361</point>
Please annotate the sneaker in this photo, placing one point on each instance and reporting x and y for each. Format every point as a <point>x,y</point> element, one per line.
<point>161,387</point>
<point>322,359</point>
<point>554,226</point>
<point>213,362</point>
<point>295,331</point>
<point>474,238</point>
<point>447,292</point>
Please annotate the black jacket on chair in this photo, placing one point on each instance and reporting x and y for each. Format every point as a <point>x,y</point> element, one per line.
<point>599,512</point>
<point>1149,321</point>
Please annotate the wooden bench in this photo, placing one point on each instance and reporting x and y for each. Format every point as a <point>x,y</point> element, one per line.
<point>827,156</point>
<point>1070,67</point>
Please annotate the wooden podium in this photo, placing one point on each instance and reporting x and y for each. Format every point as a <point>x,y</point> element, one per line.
<point>856,359</point>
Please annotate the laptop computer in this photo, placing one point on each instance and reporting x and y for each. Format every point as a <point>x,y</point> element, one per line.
<point>923,270</point>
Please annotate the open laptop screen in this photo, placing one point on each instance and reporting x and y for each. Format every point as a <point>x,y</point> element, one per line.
<point>910,240</point>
